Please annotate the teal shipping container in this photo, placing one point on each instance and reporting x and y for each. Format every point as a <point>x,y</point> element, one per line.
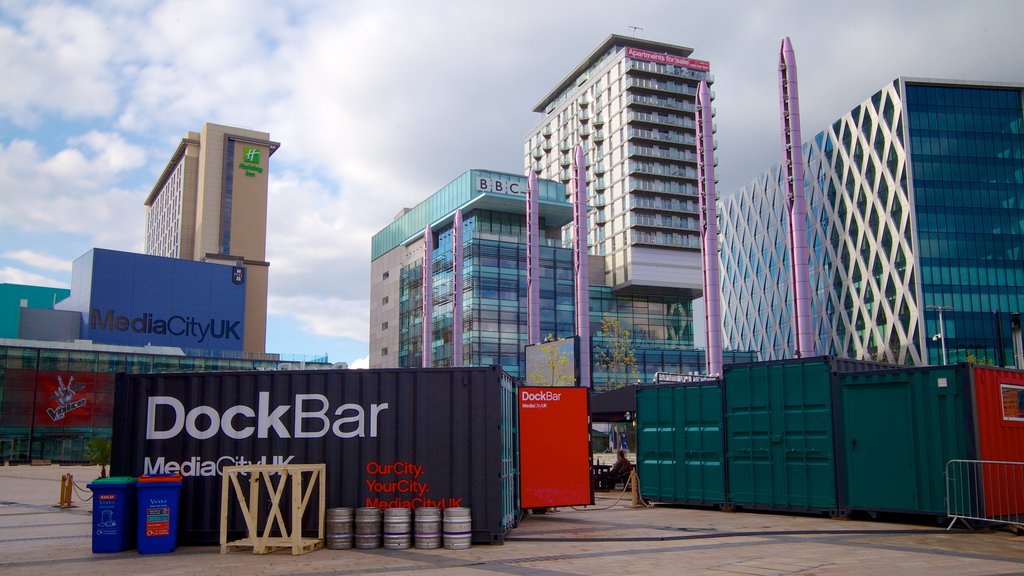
<point>780,436</point>
<point>680,444</point>
<point>899,428</point>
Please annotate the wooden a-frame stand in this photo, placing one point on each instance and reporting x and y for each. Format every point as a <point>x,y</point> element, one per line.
<point>259,538</point>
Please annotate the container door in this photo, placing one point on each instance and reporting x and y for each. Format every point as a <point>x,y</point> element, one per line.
<point>880,457</point>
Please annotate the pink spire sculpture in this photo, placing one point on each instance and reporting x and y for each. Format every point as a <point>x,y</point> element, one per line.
<point>457,289</point>
<point>579,243</point>
<point>428,295</point>
<point>789,105</point>
<point>709,229</point>
<point>532,260</point>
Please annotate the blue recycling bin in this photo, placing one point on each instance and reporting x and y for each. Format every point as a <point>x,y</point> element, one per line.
<point>157,519</point>
<point>113,514</point>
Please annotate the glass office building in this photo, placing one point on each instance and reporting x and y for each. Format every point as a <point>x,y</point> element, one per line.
<point>915,203</point>
<point>494,325</point>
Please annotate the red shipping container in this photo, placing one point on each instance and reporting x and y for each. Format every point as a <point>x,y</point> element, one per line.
<point>999,411</point>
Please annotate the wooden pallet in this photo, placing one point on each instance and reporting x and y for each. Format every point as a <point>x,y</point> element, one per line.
<point>263,539</point>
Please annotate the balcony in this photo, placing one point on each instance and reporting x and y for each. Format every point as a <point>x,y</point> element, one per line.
<point>538,153</point>
<point>633,82</point>
<point>663,205</point>
<point>667,240</point>
<point>547,131</point>
<point>664,153</point>
<point>599,136</point>
<point>600,168</point>
<point>670,70</point>
<point>598,119</point>
<point>666,103</point>
<point>564,146</point>
<point>655,169</point>
<point>662,136</point>
<point>662,187</point>
<point>666,119</point>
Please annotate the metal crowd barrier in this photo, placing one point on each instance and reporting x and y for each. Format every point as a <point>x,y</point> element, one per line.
<point>985,491</point>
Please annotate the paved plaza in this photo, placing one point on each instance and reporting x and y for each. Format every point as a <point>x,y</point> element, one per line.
<point>610,538</point>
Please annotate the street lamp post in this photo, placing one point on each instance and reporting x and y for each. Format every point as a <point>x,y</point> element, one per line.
<point>942,328</point>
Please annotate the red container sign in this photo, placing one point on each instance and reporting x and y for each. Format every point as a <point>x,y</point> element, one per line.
<point>554,447</point>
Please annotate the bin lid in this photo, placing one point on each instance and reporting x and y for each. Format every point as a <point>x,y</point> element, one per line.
<point>152,478</point>
<point>114,480</point>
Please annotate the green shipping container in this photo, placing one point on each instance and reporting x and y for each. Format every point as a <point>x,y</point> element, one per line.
<point>898,430</point>
<point>680,444</point>
<point>779,435</point>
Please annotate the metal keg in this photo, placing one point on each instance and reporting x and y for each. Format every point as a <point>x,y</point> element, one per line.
<point>397,528</point>
<point>428,528</point>
<point>368,528</point>
<point>338,531</point>
<point>457,528</point>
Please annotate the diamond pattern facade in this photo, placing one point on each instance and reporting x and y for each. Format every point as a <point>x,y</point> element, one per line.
<point>865,297</point>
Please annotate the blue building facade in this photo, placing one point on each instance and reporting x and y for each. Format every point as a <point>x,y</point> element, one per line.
<point>915,203</point>
<point>137,300</point>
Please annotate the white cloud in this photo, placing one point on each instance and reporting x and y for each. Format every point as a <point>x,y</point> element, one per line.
<point>329,317</point>
<point>363,362</point>
<point>68,192</point>
<point>57,61</point>
<point>9,275</point>
<point>39,260</point>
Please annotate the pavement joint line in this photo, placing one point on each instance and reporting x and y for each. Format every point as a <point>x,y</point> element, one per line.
<point>47,509</point>
<point>754,533</point>
<point>29,526</point>
<point>850,540</point>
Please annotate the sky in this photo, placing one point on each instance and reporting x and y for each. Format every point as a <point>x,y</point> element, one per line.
<point>377,104</point>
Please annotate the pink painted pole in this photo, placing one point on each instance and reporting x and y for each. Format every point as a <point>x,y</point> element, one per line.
<point>789,104</point>
<point>709,229</point>
<point>532,260</point>
<point>579,198</point>
<point>428,296</point>
<point>457,289</point>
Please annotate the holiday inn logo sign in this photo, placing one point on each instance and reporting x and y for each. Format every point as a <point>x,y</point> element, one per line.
<point>251,161</point>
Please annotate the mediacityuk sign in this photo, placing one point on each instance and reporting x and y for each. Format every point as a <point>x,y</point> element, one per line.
<point>661,57</point>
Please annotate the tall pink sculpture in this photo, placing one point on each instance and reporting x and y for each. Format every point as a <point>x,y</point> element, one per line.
<point>428,295</point>
<point>579,244</point>
<point>709,229</point>
<point>789,103</point>
<point>532,260</point>
<point>457,289</point>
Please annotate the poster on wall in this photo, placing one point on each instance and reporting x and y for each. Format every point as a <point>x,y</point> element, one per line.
<point>554,473</point>
<point>553,363</point>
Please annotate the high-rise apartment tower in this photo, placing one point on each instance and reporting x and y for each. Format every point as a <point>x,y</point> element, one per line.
<point>631,103</point>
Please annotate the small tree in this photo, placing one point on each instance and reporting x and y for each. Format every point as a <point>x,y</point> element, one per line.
<point>98,450</point>
<point>616,357</point>
<point>559,364</point>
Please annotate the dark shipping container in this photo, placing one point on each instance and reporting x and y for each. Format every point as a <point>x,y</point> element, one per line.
<point>899,428</point>
<point>401,437</point>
